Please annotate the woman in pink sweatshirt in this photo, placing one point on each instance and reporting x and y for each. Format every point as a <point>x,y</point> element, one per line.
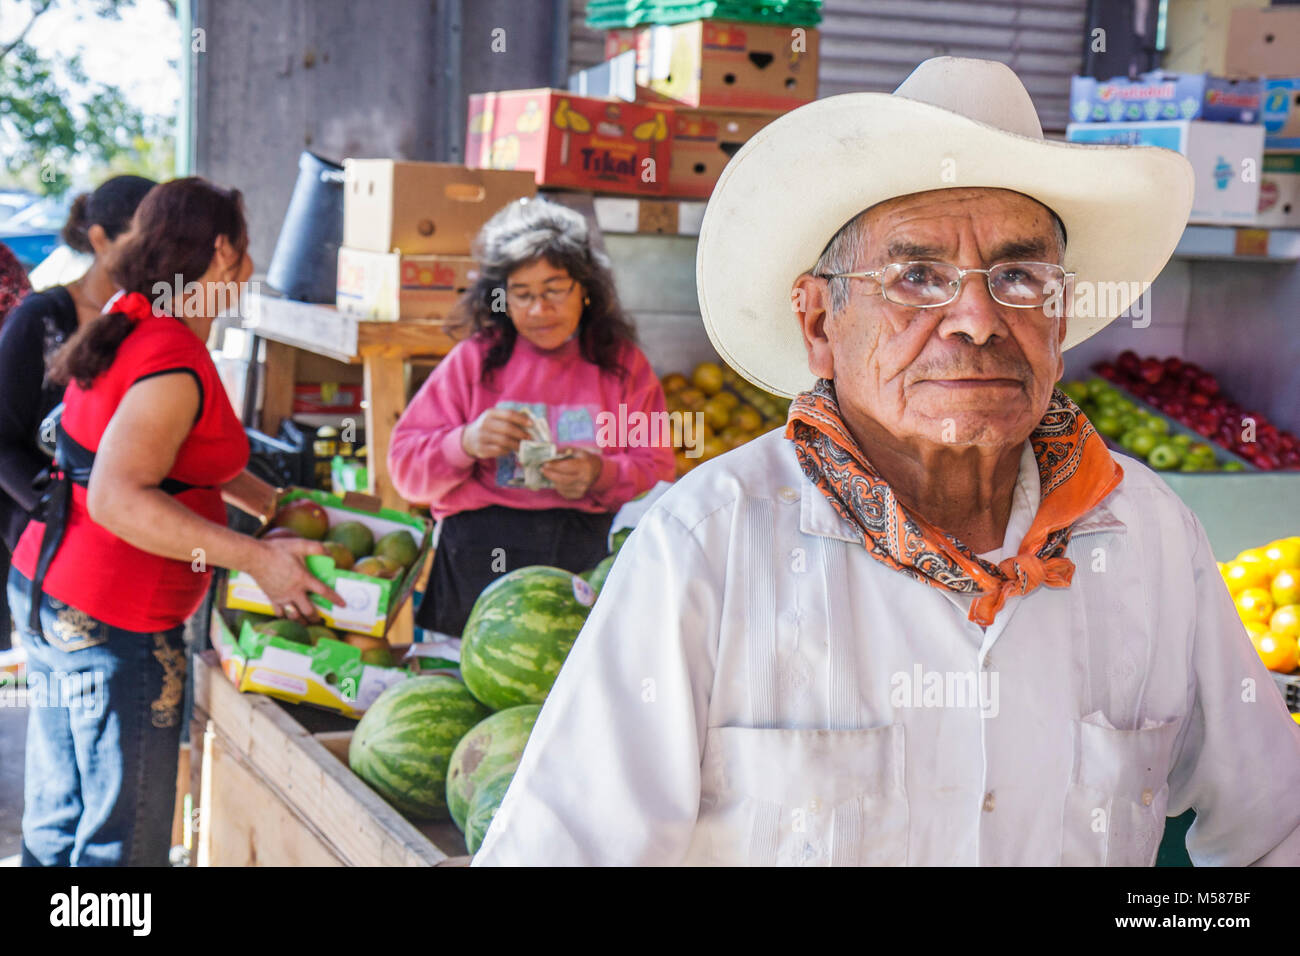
<point>551,358</point>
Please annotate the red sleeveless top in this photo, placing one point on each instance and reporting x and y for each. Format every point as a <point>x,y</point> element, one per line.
<point>96,571</point>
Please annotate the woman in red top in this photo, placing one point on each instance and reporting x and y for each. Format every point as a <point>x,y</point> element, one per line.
<point>148,448</point>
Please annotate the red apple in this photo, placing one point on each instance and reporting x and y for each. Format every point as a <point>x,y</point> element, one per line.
<point>1128,362</point>
<point>1152,370</point>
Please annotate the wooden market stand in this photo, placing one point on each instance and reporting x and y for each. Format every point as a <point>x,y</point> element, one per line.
<point>269,791</point>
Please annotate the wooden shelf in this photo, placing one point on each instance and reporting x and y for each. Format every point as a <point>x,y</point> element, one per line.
<point>1239,244</point>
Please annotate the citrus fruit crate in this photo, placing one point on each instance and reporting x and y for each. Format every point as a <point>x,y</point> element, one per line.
<point>1289,685</point>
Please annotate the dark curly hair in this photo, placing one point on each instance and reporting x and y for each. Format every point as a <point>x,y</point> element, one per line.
<point>531,230</point>
<point>174,230</point>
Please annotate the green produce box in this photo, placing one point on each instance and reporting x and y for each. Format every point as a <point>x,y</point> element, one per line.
<point>348,474</point>
<point>372,603</point>
<point>330,675</point>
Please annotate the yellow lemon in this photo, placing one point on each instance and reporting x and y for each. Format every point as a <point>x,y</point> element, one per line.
<point>1254,604</point>
<point>1285,586</point>
<point>1284,553</point>
<point>1241,575</point>
<point>707,377</point>
<point>1278,652</point>
<point>1286,621</point>
<point>674,382</point>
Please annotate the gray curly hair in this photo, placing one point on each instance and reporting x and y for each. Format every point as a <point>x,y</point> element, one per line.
<point>526,231</point>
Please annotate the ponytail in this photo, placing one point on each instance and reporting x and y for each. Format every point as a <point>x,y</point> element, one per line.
<point>75,229</point>
<point>91,350</point>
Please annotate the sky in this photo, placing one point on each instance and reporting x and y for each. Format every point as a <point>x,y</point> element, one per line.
<point>132,53</point>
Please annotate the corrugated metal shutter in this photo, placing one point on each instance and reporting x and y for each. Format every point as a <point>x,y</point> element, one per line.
<point>586,46</point>
<point>873,45</point>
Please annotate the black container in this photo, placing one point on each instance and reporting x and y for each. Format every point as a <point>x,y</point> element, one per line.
<point>305,263</point>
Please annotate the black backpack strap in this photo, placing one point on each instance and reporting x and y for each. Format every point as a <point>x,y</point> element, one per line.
<point>74,464</point>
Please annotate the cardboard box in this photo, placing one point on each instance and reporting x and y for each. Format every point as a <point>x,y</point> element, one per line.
<point>387,286</point>
<point>422,208</point>
<point>720,63</point>
<point>1221,154</point>
<point>1264,42</point>
<point>1196,34</point>
<point>373,603</point>
<point>1164,96</point>
<point>703,142</point>
<point>1279,191</point>
<point>606,145</point>
<point>1281,113</point>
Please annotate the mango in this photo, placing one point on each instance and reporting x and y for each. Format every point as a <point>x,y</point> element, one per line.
<point>316,631</point>
<point>400,546</point>
<point>343,558</point>
<point>378,656</point>
<point>253,618</point>
<point>354,536</point>
<point>285,628</point>
<point>378,566</point>
<point>304,518</point>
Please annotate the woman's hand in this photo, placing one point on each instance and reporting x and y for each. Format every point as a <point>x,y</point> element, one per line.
<point>498,431</point>
<point>282,575</point>
<point>573,477</point>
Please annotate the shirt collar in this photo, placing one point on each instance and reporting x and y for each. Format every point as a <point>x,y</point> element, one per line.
<point>818,516</point>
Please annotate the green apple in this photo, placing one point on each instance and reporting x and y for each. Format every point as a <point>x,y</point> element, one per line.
<point>1164,456</point>
<point>1140,441</point>
<point>1107,424</point>
<point>1233,466</point>
<point>1182,440</point>
<point>1077,392</point>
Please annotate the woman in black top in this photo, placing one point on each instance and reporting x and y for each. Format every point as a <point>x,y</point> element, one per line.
<point>30,336</point>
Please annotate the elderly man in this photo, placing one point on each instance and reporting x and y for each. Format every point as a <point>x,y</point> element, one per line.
<point>934,620</point>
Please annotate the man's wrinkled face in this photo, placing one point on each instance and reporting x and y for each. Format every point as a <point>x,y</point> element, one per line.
<point>972,372</point>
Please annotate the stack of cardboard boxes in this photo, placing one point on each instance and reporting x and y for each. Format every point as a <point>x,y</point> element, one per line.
<point>408,228</point>
<point>702,88</point>
<point>1234,111</point>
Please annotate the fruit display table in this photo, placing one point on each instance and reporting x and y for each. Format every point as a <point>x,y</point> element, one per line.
<point>272,788</point>
<point>381,348</point>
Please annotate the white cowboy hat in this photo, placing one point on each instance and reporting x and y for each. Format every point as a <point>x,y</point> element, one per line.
<point>954,122</point>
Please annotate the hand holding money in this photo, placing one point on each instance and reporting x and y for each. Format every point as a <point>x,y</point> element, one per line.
<point>498,431</point>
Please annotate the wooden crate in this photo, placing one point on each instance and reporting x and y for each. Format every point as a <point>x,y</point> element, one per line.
<point>271,793</point>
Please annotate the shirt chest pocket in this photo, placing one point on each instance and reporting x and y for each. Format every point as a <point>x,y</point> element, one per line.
<point>805,797</point>
<point>1119,791</point>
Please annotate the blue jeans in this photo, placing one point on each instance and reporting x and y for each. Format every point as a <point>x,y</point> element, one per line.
<point>103,736</point>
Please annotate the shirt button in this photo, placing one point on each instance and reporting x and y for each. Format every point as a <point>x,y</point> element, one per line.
<point>1147,797</point>
<point>988,661</point>
<point>988,802</point>
<point>788,494</point>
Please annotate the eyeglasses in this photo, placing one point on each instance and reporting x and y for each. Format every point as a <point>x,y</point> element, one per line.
<point>926,285</point>
<point>554,295</point>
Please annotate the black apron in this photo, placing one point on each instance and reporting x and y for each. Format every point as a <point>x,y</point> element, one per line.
<point>73,463</point>
<point>477,547</point>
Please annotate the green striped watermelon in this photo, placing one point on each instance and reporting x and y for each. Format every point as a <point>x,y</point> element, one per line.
<point>482,809</point>
<point>403,743</point>
<point>519,633</point>
<point>596,576</point>
<point>493,746</point>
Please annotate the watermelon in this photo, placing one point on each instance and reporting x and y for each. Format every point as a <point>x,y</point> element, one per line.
<point>596,576</point>
<point>483,808</point>
<point>519,632</point>
<point>620,536</point>
<point>493,746</point>
<point>403,743</point>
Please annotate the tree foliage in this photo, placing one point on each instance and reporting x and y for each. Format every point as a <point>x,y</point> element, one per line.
<point>43,126</point>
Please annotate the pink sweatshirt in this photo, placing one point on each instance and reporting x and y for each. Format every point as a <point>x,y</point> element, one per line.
<point>580,402</point>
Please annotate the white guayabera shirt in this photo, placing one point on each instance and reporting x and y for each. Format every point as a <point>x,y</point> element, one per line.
<point>753,688</point>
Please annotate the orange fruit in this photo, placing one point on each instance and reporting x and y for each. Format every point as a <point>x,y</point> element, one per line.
<point>1241,575</point>
<point>1283,553</point>
<point>714,447</point>
<point>727,398</point>
<point>674,382</point>
<point>692,398</point>
<point>1254,604</point>
<point>1255,630</point>
<point>716,413</point>
<point>1278,652</point>
<point>1285,587</point>
<point>1286,621</point>
<point>746,419</point>
<point>707,377</point>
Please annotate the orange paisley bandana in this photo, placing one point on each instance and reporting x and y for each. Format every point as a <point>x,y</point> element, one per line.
<point>1075,470</point>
